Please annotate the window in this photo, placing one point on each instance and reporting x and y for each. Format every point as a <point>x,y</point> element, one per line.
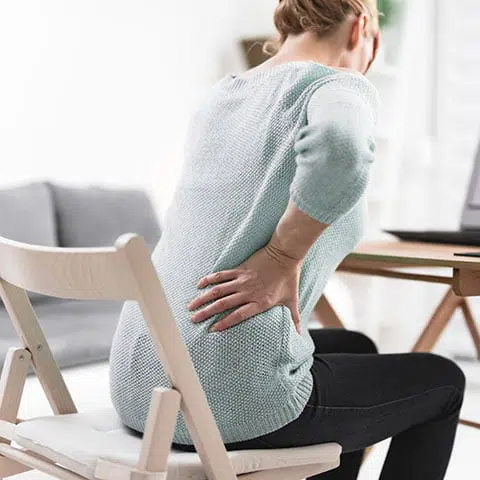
<point>456,105</point>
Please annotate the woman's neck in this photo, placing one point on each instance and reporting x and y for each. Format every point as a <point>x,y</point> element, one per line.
<point>306,47</point>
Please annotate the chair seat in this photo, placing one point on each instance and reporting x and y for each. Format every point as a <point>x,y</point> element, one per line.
<point>77,441</point>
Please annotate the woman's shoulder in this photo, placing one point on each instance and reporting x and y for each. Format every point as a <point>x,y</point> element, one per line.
<point>343,77</point>
<point>344,85</point>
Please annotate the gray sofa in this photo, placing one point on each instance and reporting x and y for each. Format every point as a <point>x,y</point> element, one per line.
<point>52,215</point>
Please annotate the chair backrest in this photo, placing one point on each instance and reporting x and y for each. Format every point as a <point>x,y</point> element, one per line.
<point>123,272</point>
<point>86,273</point>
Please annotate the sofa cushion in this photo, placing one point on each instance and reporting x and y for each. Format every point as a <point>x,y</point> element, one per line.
<point>96,217</point>
<point>27,214</point>
<point>78,331</point>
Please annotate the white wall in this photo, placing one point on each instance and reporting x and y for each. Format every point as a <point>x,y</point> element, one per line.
<point>100,91</point>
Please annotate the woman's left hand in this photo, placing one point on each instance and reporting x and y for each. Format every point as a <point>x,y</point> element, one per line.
<point>266,279</point>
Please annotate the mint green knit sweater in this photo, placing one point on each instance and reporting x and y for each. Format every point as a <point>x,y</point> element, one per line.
<point>299,131</point>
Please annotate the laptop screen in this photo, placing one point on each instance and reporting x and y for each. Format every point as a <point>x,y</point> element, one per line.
<point>471,208</point>
<point>475,196</point>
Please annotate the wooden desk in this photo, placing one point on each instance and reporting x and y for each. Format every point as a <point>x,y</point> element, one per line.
<point>389,259</point>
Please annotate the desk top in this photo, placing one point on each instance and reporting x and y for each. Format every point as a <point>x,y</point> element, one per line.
<point>397,253</point>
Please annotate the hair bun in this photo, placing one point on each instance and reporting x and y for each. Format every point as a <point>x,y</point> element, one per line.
<point>319,16</point>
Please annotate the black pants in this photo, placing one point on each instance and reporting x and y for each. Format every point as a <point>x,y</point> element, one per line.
<point>361,397</point>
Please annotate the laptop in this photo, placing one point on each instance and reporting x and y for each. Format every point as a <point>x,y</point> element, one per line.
<point>469,232</point>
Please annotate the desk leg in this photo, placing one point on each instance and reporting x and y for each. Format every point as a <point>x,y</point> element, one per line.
<point>472,326</point>
<point>439,320</point>
<point>326,315</point>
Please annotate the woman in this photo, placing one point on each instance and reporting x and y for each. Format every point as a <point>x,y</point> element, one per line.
<point>271,199</point>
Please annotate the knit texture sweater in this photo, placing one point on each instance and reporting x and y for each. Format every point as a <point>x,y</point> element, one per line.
<point>299,131</point>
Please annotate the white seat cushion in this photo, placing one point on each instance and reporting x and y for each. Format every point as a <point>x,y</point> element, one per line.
<point>77,441</point>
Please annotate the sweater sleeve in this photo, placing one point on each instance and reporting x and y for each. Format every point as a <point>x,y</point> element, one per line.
<point>335,149</point>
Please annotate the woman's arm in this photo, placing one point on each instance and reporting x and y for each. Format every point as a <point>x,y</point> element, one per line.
<point>335,149</point>
<point>334,154</point>
<point>296,232</point>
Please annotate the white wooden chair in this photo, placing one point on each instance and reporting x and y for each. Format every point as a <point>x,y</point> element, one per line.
<point>76,446</point>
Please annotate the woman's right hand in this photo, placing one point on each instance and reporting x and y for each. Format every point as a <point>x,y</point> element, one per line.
<point>266,279</point>
<point>269,277</point>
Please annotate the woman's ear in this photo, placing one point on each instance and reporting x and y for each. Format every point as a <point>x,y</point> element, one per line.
<point>359,30</point>
<point>366,20</point>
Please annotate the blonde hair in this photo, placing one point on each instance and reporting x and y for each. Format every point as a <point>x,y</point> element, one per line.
<point>319,16</point>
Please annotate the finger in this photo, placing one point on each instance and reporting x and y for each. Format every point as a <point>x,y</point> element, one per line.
<point>238,316</point>
<point>213,293</point>
<point>217,277</point>
<point>218,307</point>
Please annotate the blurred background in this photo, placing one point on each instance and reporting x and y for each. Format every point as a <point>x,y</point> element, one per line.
<point>99,93</point>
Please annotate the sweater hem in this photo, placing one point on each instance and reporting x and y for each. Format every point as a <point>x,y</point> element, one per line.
<point>264,424</point>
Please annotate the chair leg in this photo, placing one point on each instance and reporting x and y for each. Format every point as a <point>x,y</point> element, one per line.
<point>439,320</point>
<point>326,315</point>
<point>26,324</point>
<point>12,382</point>
<point>472,326</point>
<point>157,439</point>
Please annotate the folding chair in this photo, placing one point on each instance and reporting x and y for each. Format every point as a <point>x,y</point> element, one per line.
<point>75,446</point>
